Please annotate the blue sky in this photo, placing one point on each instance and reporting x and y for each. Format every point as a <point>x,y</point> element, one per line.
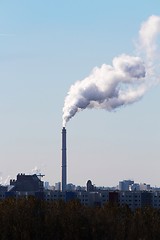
<point>45,46</point>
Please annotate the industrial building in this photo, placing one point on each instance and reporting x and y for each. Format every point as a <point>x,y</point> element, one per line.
<point>25,185</point>
<point>31,185</point>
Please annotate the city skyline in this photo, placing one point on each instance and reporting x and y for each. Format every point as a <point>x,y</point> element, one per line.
<point>46,48</point>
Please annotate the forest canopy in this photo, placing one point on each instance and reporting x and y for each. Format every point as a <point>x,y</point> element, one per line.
<point>36,219</point>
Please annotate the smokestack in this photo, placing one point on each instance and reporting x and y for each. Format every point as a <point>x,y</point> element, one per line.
<point>64,160</point>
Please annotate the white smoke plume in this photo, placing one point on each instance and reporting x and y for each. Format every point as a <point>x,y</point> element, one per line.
<point>36,170</point>
<point>122,83</point>
<point>148,34</point>
<point>4,180</point>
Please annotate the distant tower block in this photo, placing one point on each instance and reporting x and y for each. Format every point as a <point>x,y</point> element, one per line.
<point>64,160</point>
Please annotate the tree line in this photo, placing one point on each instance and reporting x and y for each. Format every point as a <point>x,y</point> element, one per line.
<point>34,219</point>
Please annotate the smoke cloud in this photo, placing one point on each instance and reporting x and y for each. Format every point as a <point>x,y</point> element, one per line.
<point>147,35</point>
<point>122,83</point>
